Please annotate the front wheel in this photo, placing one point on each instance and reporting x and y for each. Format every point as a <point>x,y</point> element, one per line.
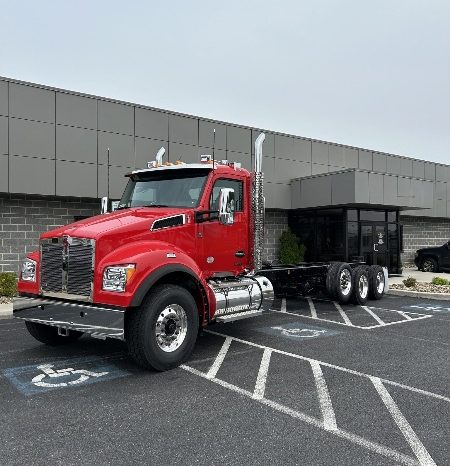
<point>161,334</point>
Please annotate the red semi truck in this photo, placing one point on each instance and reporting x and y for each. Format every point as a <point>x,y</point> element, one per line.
<point>183,249</point>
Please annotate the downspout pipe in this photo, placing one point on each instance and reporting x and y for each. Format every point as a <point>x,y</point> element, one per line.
<point>258,205</point>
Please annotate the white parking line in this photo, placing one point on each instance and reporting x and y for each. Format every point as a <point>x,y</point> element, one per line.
<point>362,327</point>
<point>220,357</point>
<point>405,315</point>
<point>329,422</point>
<point>366,308</point>
<point>312,308</point>
<point>414,442</point>
<point>332,366</point>
<point>369,445</point>
<point>329,419</point>
<point>343,314</point>
<point>260,386</point>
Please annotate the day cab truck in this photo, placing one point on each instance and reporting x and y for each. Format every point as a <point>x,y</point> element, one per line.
<point>183,249</point>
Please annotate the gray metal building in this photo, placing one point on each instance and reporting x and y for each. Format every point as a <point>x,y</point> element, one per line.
<point>53,169</point>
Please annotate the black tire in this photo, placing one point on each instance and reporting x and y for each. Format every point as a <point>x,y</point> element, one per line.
<point>331,279</point>
<point>141,337</point>
<point>429,265</point>
<point>49,335</point>
<point>343,285</point>
<point>360,281</point>
<point>377,283</point>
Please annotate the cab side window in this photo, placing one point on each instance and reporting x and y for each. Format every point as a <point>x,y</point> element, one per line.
<point>238,187</point>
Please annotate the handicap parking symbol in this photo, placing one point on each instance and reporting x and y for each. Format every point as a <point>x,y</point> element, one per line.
<point>34,379</point>
<point>298,331</point>
<point>47,372</point>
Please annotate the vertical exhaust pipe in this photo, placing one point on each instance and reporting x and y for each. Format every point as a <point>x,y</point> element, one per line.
<point>258,205</point>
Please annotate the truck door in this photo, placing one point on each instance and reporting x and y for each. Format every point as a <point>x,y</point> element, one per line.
<point>225,247</point>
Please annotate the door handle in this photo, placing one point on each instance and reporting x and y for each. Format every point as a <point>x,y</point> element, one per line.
<point>239,253</point>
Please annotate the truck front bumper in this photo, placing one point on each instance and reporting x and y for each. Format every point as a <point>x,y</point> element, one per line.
<point>99,321</point>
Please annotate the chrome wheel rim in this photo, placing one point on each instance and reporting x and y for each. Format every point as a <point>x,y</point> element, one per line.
<point>345,282</point>
<point>380,282</point>
<point>363,286</point>
<point>171,328</point>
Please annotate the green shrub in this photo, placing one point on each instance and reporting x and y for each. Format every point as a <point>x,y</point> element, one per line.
<point>8,284</point>
<point>440,281</point>
<point>410,282</point>
<point>290,251</point>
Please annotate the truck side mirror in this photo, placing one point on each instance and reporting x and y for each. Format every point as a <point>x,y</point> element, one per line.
<point>226,206</point>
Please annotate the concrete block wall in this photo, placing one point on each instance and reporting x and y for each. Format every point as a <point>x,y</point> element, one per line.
<point>276,222</point>
<point>422,232</point>
<point>24,217</point>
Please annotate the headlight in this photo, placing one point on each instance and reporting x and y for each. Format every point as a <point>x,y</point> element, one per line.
<point>28,270</point>
<point>116,277</point>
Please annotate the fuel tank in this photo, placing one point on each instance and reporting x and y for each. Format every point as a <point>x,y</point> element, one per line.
<point>240,294</point>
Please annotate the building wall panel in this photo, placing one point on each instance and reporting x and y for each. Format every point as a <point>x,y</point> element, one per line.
<point>152,124</point>
<point>76,179</point>
<point>76,144</point>
<point>116,118</point>
<point>31,138</point>
<point>31,103</point>
<point>4,98</point>
<point>74,110</point>
<point>121,149</point>
<point>183,130</point>
<point>31,175</point>
<point>206,135</point>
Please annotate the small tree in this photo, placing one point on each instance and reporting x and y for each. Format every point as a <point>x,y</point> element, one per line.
<point>290,251</point>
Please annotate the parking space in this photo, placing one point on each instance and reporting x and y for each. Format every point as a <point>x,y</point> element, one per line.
<point>290,386</point>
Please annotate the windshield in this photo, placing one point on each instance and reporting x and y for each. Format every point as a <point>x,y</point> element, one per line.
<point>164,190</point>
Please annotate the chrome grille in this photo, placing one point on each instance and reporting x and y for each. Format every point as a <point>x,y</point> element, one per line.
<point>79,270</point>
<point>67,266</point>
<point>52,266</point>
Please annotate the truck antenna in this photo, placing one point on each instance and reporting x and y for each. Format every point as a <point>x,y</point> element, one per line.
<point>214,144</point>
<point>107,161</point>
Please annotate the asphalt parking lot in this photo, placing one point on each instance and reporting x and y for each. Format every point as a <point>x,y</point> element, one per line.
<point>310,382</point>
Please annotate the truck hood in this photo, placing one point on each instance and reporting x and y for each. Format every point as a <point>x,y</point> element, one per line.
<point>128,223</point>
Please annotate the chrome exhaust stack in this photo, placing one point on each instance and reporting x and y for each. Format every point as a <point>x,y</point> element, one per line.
<point>160,155</point>
<point>258,205</point>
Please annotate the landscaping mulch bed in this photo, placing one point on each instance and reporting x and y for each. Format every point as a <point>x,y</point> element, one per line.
<point>423,288</point>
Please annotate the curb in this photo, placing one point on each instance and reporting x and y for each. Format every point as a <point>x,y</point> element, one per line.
<point>420,294</point>
<point>6,311</point>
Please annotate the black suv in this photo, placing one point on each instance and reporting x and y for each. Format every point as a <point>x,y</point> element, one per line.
<point>433,259</point>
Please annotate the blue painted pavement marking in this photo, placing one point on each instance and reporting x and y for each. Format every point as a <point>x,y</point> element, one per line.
<point>40,378</point>
<point>298,331</point>
<point>429,307</point>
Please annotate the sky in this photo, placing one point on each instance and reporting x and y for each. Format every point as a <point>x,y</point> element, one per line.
<point>372,74</point>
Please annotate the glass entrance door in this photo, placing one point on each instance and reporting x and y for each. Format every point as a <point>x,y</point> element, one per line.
<point>374,244</point>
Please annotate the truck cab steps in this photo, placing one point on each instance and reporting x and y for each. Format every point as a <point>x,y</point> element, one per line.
<point>238,316</point>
